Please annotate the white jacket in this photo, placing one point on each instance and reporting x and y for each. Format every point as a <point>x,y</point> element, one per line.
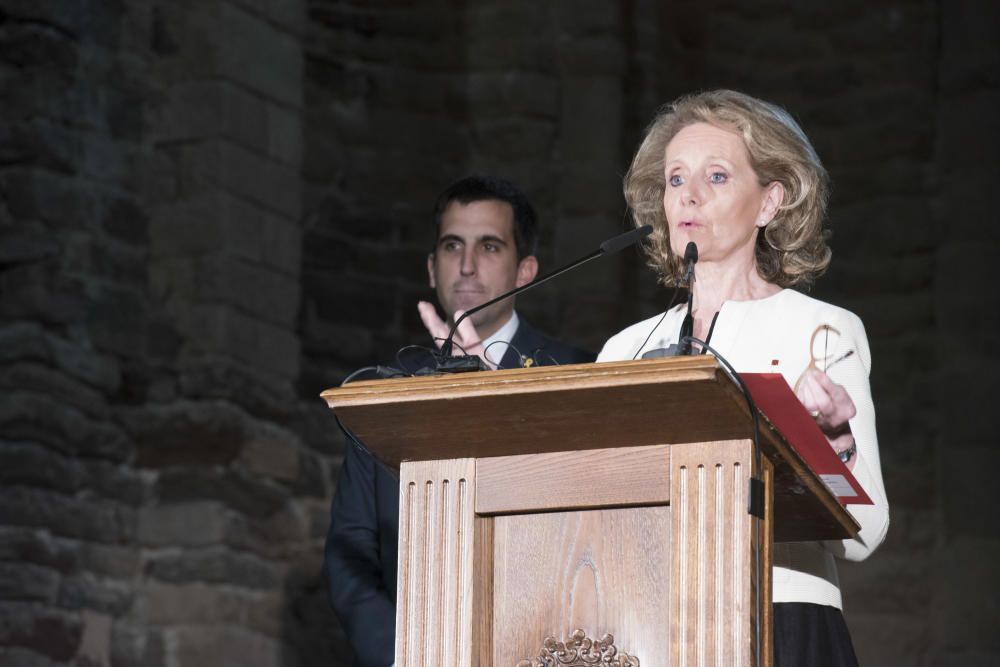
<point>773,335</point>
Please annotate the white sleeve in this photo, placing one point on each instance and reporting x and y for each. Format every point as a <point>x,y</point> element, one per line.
<point>853,374</point>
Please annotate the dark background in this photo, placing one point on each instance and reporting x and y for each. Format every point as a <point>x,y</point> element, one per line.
<point>211,210</point>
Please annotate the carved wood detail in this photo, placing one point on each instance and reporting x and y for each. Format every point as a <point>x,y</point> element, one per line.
<point>580,651</point>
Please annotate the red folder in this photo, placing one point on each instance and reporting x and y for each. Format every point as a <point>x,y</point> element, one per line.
<point>777,402</point>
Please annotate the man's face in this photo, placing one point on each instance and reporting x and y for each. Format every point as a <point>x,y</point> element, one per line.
<point>475,259</point>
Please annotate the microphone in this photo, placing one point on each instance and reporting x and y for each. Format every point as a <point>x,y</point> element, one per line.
<point>471,362</point>
<point>687,326</point>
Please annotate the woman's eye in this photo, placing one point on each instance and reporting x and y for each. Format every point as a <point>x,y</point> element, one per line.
<point>718,177</point>
<point>675,180</point>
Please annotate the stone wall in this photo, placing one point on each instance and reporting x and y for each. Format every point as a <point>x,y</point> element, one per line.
<point>211,210</point>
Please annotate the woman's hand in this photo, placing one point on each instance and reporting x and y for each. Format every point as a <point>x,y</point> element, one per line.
<point>831,406</point>
<point>466,340</point>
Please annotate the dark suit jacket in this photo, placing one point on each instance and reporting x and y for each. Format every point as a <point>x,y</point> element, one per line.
<point>361,545</point>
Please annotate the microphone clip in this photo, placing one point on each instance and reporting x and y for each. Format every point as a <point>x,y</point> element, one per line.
<point>465,363</point>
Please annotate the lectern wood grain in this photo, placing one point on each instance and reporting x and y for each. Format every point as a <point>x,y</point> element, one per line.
<point>599,570</point>
<point>628,476</point>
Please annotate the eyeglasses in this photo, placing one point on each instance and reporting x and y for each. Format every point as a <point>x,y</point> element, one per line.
<point>822,346</point>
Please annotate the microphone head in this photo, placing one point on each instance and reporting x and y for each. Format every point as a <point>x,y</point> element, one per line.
<point>691,253</point>
<point>623,241</point>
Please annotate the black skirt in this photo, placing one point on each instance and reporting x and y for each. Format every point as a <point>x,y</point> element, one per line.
<point>811,635</point>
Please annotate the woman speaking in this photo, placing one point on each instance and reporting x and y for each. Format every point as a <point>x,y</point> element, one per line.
<point>737,177</point>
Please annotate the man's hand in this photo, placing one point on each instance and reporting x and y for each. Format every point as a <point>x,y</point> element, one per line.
<point>466,340</point>
<point>831,406</point>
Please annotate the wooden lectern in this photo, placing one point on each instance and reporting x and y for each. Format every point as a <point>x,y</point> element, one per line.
<point>610,498</point>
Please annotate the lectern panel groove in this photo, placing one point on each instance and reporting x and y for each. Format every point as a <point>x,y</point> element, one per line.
<point>713,603</point>
<point>437,518</point>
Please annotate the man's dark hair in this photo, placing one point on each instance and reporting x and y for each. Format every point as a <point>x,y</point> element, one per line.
<point>485,188</point>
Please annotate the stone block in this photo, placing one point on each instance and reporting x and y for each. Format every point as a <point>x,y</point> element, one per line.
<point>216,566</point>
<point>186,433</point>
<point>259,179</point>
<point>432,95</point>
<point>135,646</point>
<point>212,110</point>
<point>246,339</point>
<point>207,605</point>
<point>116,320</point>
<point>99,521</point>
<point>502,139</point>
<point>260,56</point>
<point>103,560</point>
<point>271,452</point>
<point>48,632</point>
<point>111,263</point>
<point>31,465</point>
<point>505,94</point>
<point>97,369</point>
<point>21,545</point>
<point>223,224</point>
<point>35,417</point>
<point>85,592</point>
<point>125,220</point>
<point>232,487</point>
<point>272,536</point>
<point>324,306</point>
<point>53,198</point>
<point>182,524</point>
<point>258,390</point>
<point>38,142</point>
<point>327,253</point>
<point>272,296</point>
<point>190,110</point>
<point>27,582</point>
<point>44,380</point>
<point>95,645</point>
<point>284,134</point>
<point>22,657</point>
<point>34,292</point>
<point>225,647</point>
<point>23,341</point>
<point>309,482</point>
<point>289,15</point>
<point>340,33</point>
<point>255,291</point>
<point>62,16</point>
<point>117,163</point>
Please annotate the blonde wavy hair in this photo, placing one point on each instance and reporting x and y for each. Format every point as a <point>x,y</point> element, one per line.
<point>792,249</point>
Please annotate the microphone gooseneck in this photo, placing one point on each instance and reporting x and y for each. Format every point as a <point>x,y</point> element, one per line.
<point>687,327</point>
<point>471,362</point>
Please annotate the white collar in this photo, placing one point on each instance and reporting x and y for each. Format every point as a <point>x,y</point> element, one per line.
<point>501,337</point>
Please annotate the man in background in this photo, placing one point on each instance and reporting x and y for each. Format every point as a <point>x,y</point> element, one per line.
<point>485,244</point>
